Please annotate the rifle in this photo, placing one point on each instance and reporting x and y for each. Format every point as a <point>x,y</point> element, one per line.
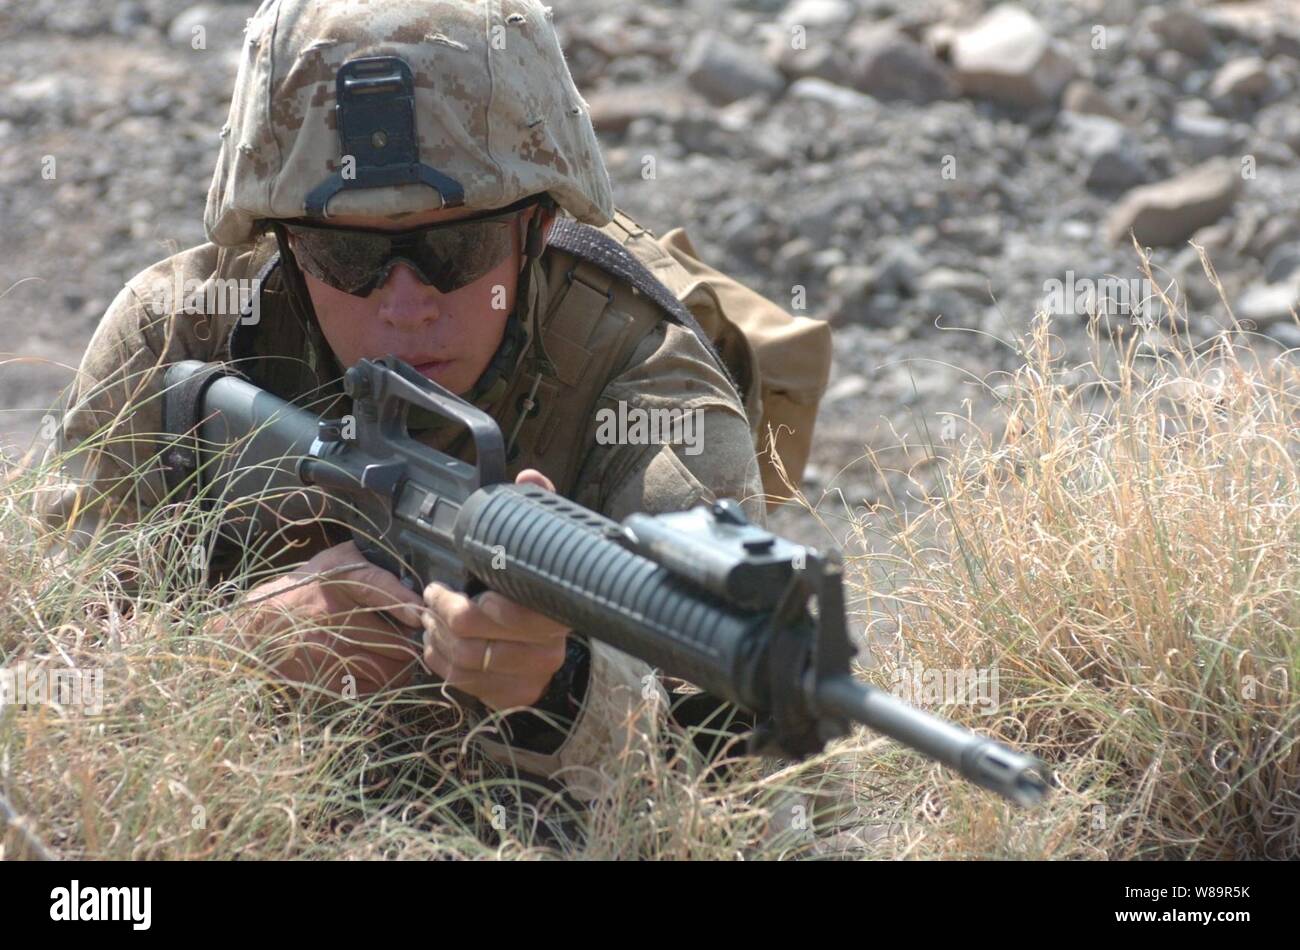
<point>703,594</point>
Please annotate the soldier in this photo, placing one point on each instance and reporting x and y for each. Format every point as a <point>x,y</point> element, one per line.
<point>421,178</point>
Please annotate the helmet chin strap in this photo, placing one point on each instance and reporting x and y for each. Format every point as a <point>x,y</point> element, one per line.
<point>299,297</point>
<point>521,328</point>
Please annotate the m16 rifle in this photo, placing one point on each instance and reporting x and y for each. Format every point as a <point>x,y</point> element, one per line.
<point>704,594</point>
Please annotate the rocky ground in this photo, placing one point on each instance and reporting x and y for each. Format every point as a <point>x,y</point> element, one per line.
<point>916,172</point>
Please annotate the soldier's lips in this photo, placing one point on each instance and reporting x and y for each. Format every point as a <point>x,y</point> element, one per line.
<point>432,368</point>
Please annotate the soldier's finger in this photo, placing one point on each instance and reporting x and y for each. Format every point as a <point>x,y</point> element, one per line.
<point>518,622</point>
<point>506,658</point>
<point>375,588</point>
<point>531,476</point>
<point>459,616</point>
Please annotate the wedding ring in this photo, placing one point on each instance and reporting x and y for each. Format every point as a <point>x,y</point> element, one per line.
<point>487,658</point>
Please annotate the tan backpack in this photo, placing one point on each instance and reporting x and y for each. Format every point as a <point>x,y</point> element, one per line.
<point>781,362</point>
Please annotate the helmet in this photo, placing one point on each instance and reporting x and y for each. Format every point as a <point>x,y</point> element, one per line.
<point>381,107</point>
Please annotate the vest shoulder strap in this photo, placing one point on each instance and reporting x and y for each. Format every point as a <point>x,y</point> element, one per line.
<point>599,249</point>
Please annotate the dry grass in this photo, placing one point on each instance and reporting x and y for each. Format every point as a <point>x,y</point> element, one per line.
<point>1126,555</point>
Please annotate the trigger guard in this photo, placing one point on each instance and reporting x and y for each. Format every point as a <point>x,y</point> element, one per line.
<point>380,557</point>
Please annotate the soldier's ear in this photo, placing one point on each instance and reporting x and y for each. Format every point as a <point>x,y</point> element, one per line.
<point>548,220</point>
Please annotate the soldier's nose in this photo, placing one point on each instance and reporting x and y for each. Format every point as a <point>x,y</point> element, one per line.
<point>404,299</point>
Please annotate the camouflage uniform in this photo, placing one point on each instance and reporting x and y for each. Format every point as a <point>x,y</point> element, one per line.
<point>606,342</point>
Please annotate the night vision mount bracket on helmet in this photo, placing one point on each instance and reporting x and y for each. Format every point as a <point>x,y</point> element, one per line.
<point>376,122</point>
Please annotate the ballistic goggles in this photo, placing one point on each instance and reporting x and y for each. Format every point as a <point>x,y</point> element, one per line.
<point>448,255</point>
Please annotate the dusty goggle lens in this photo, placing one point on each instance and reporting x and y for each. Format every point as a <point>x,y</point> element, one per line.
<point>448,255</point>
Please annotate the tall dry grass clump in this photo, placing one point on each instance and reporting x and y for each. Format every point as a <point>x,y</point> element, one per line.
<point>199,751</point>
<point>1125,557</point>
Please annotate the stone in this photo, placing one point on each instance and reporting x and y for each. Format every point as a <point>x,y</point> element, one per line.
<point>1282,40</point>
<point>846,387</point>
<point>1263,304</point>
<point>817,14</point>
<point>812,89</point>
<point>966,283</point>
<point>1199,137</point>
<point>1286,333</point>
<point>723,71</point>
<point>1282,264</point>
<point>47,97</point>
<point>1110,154</point>
<point>1008,56</point>
<point>1273,232</point>
<point>1173,67</point>
<point>1246,77</point>
<point>129,18</point>
<point>1181,30</point>
<point>888,64</point>
<point>1281,123</point>
<point>1083,98</point>
<point>614,108</point>
<point>827,61</point>
<point>851,281</point>
<point>899,268</point>
<point>1167,213</point>
<point>208,27</point>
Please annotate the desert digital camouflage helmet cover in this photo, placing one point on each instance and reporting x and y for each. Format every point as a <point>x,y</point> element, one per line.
<point>493,115</point>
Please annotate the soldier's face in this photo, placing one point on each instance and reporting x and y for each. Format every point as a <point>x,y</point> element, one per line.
<point>449,337</point>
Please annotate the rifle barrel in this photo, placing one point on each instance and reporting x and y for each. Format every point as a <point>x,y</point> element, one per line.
<point>985,762</point>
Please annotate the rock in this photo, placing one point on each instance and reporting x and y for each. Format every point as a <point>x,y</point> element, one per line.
<point>794,254</point>
<point>1217,238</point>
<point>817,14</point>
<point>1077,230</point>
<point>827,259</point>
<point>702,132</point>
<point>966,283</point>
<point>1173,67</point>
<point>614,108</point>
<point>938,39</point>
<point>846,387</point>
<point>1009,57</point>
<point>1266,152</point>
<point>1180,29</point>
<point>1167,213</point>
<point>128,18</point>
<point>813,89</point>
<point>851,281</point>
<point>1282,40</point>
<point>898,268</point>
<point>1111,155</point>
<point>1244,78</point>
<point>1281,123</point>
<point>1282,264</point>
<point>827,61</point>
<point>1144,98</point>
<point>1083,98</point>
<point>1273,232</point>
<point>889,64</point>
<point>724,71</point>
<point>1288,334</point>
<point>1202,136</point>
<point>208,26</point>
<point>1264,304</point>
<point>48,97</point>
<point>952,307</point>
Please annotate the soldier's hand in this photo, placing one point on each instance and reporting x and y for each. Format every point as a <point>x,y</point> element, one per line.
<point>490,646</point>
<point>333,627</point>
